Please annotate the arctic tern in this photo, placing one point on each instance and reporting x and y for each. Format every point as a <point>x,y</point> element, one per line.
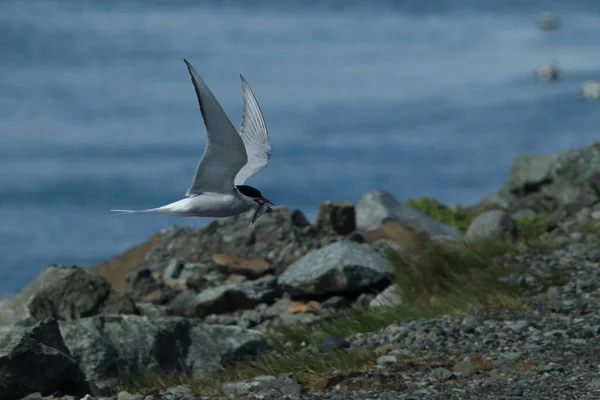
<point>230,158</point>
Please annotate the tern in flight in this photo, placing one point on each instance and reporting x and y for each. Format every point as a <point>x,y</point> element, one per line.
<point>229,158</point>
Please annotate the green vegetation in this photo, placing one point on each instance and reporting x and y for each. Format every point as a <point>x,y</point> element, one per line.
<point>456,216</point>
<point>530,228</point>
<point>308,366</point>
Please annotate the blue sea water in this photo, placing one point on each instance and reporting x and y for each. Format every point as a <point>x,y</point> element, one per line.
<point>418,98</point>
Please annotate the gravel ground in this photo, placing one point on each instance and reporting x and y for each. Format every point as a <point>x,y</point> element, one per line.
<point>546,350</point>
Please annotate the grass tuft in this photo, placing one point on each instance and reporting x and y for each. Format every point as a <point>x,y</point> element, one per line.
<point>441,279</point>
<point>456,216</point>
<point>308,366</point>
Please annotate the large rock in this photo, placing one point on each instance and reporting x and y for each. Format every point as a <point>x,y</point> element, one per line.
<point>544,183</point>
<point>37,360</point>
<point>379,206</point>
<point>492,224</point>
<point>406,238</point>
<point>110,347</point>
<point>64,293</point>
<point>342,267</point>
<point>227,297</point>
<point>338,216</point>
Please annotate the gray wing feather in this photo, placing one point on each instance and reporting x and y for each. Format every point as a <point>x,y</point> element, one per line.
<point>224,154</point>
<point>254,135</point>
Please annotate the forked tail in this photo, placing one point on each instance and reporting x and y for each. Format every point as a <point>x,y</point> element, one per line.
<point>117,212</point>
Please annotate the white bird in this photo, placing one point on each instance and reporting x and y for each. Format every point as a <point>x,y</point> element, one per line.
<point>229,158</point>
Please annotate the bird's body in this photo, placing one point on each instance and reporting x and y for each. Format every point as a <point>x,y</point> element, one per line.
<point>218,188</point>
<point>214,205</point>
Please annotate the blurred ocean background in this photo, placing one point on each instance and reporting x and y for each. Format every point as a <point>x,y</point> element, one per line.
<point>418,98</point>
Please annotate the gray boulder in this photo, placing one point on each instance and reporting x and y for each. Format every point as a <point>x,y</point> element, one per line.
<point>544,183</point>
<point>379,206</point>
<point>342,267</point>
<point>114,346</point>
<point>492,224</point>
<point>37,360</point>
<point>64,293</point>
<point>225,298</point>
<point>391,296</point>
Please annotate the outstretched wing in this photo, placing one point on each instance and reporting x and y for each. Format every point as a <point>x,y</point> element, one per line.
<point>225,153</point>
<point>255,136</point>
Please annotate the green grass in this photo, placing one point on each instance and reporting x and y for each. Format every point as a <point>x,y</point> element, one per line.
<point>529,227</point>
<point>440,280</point>
<point>309,368</point>
<point>456,216</point>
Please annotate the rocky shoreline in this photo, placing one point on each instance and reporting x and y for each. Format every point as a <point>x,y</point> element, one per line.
<point>163,319</point>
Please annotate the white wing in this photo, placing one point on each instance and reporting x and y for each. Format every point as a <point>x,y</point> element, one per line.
<point>225,153</point>
<point>255,136</point>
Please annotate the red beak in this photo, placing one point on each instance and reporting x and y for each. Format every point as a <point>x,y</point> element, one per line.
<point>262,200</point>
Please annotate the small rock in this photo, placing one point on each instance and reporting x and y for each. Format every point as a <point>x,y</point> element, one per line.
<point>338,216</point>
<point>518,326</point>
<point>511,356</point>
<point>387,360</point>
<point>334,302</point>
<point>332,343</point>
<point>173,269</point>
<point>443,374</point>
<point>391,296</point>
<point>298,307</point>
<point>576,236</point>
<point>251,268</point>
<point>179,389</point>
<point>465,368</point>
<point>123,395</point>
<point>277,308</point>
<point>492,224</point>
<point>364,300</point>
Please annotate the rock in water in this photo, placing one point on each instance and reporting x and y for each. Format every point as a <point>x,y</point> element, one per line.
<point>64,293</point>
<point>591,90</point>
<point>548,21</point>
<point>492,224</point>
<point>548,73</point>
<point>338,216</point>
<point>114,346</point>
<point>342,267</point>
<point>379,206</point>
<point>37,360</point>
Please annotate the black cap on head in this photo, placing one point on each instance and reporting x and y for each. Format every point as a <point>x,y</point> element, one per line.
<point>249,191</point>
